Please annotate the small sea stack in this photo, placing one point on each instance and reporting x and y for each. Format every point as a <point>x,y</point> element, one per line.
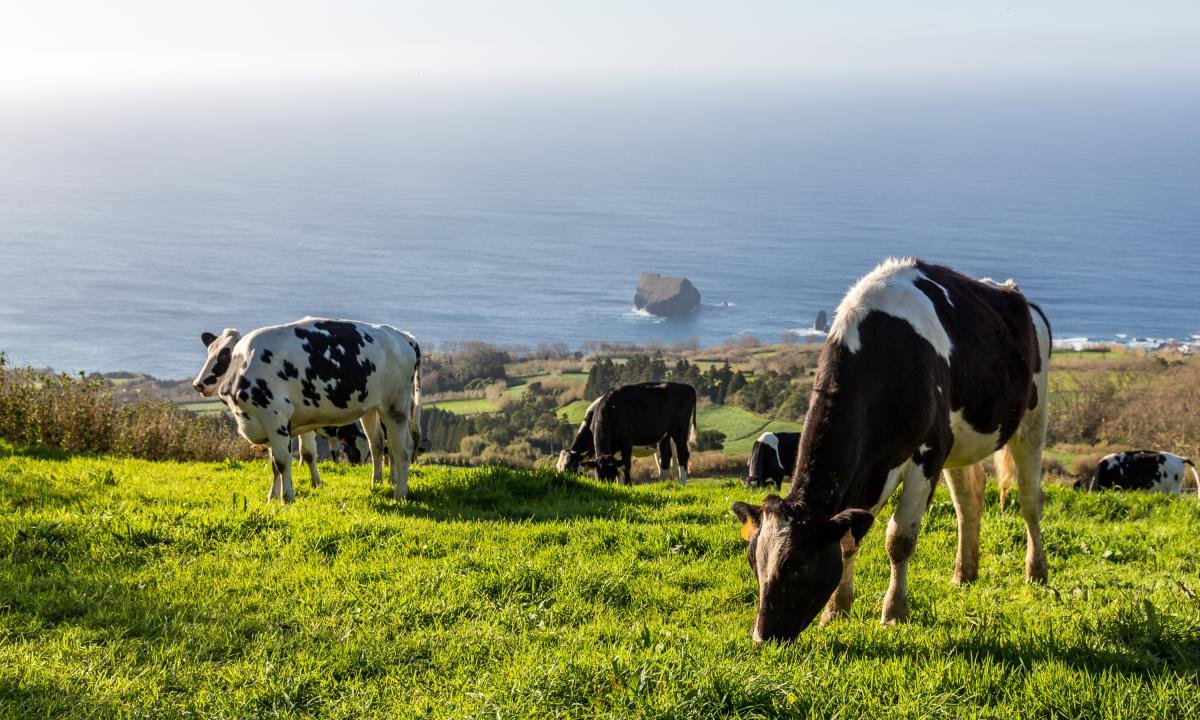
<point>665,296</point>
<point>821,324</point>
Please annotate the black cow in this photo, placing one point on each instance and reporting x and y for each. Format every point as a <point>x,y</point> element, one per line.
<point>772,458</point>
<point>1142,470</point>
<point>924,370</point>
<point>583,446</point>
<point>653,413</point>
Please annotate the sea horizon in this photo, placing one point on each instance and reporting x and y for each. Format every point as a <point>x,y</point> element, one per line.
<point>525,216</point>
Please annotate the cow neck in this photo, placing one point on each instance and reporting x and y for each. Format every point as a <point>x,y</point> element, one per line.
<point>830,454</point>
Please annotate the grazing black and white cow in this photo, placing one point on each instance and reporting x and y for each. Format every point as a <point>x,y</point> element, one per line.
<point>347,441</point>
<point>1142,470</point>
<point>583,446</point>
<point>924,369</point>
<point>772,458</point>
<point>291,379</point>
<point>661,414</point>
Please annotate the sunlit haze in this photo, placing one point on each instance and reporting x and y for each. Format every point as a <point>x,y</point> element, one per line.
<point>74,45</point>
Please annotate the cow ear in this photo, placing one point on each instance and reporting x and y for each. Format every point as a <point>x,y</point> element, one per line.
<point>208,338</point>
<point>750,517</point>
<point>858,522</point>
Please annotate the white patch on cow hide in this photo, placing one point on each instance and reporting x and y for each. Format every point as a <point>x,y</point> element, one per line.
<point>1171,472</point>
<point>770,440</point>
<point>772,544</point>
<point>890,485</point>
<point>889,289</point>
<point>970,445</point>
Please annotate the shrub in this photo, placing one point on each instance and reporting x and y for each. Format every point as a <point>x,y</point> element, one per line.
<point>710,439</point>
<point>79,414</point>
<point>472,445</point>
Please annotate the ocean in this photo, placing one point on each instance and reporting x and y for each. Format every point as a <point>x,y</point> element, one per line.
<point>524,214</point>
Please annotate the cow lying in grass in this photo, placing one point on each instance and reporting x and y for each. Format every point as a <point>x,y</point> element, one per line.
<point>924,369</point>
<point>1142,470</point>
<point>291,379</point>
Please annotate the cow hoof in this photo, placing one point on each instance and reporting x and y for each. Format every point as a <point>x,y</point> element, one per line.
<point>832,614</point>
<point>893,619</point>
<point>1036,573</point>
<point>964,577</point>
<point>894,613</point>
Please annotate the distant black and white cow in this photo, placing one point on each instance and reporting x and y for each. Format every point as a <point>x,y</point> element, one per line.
<point>924,369</point>
<point>772,459</point>
<point>291,379</point>
<point>1142,470</point>
<point>583,447</point>
<point>347,441</point>
<point>659,414</point>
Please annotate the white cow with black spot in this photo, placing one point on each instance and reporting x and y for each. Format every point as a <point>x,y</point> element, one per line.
<point>292,379</point>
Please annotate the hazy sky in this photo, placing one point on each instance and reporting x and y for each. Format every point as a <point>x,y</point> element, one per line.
<point>57,45</point>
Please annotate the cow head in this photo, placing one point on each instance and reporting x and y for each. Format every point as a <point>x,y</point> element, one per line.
<point>569,461</point>
<point>356,448</point>
<point>763,466</point>
<point>606,466</point>
<point>220,357</point>
<point>797,559</point>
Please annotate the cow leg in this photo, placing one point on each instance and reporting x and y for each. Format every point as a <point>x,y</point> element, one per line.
<point>1006,474</point>
<point>276,490</point>
<point>372,429</point>
<point>1026,459</point>
<point>308,453</point>
<point>684,454</point>
<point>627,464</point>
<point>281,465</point>
<point>399,442</point>
<point>966,491</point>
<point>843,597</point>
<point>902,539</point>
<point>664,458</point>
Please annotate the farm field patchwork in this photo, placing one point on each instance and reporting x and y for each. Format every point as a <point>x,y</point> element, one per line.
<point>141,589</point>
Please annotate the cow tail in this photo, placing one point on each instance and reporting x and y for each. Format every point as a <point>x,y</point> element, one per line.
<point>1195,474</point>
<point>415,421</point>
<point>692,432</point>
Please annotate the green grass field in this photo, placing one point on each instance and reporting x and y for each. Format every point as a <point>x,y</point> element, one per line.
<point>741,427</point>
<point>468,406</point>
<point>574,411</point>
<point>204,407</point>
<point>140,589</point>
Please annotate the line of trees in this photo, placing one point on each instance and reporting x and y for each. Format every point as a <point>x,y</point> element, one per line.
<point>780,394</point>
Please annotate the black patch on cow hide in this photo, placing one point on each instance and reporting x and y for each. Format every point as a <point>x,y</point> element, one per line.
<point>333,359</point>
<point>266,356</point>
<point>243,388</point>
<point>261,395</point>
<point>288,372</point>
<point>223,359</point>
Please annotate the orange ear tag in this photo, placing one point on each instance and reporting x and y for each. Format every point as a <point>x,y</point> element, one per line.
<point>748,529</point>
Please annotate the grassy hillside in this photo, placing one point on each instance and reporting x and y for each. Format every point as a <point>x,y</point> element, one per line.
<point>140,589</point>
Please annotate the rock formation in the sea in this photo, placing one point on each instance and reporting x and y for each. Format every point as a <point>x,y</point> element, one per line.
<point>822,322</point>
<point>665,296</point>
